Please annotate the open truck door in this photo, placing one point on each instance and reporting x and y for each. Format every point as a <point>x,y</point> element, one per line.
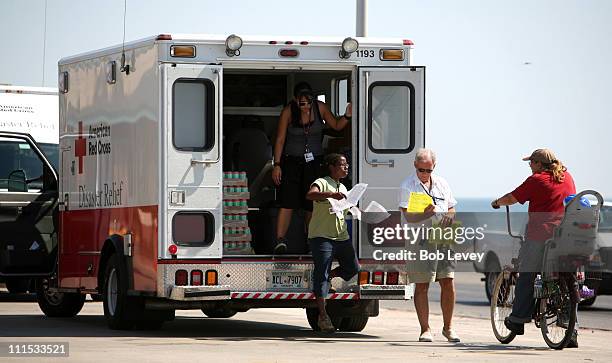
<point>28,215</point>
<point>192,166</point>
<point>392,122</point>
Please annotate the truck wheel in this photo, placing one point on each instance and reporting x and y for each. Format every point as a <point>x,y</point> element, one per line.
<point>312,314</point>
<point>17,286</point>
<point>58,304</point>
<point>117,304</point>
<point>219,313</point>
<point>354,323</point>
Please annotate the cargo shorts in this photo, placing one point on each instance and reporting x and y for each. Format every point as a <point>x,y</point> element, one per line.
<point>426,270</point>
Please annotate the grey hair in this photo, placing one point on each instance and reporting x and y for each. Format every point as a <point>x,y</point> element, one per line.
<point>423,154</point>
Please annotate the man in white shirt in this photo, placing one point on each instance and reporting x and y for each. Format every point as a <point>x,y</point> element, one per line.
<point>422,273</point>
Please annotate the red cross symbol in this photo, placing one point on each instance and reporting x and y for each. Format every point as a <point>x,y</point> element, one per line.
<point>80,147</point>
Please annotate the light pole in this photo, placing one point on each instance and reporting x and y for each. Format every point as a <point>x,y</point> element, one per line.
<point>362,18</point>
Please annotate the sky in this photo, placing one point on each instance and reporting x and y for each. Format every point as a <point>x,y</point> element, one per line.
<point>502,77</point>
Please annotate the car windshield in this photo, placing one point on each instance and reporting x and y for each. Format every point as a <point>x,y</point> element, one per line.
<point>605,219</point>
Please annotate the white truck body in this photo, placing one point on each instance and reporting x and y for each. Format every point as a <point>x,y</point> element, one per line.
<point>34,111</point>
<point>143,158</point>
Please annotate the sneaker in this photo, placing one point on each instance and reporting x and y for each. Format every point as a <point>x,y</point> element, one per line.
<point>516,328</point>
<point>281,246</point>
<point>426,337</point>
<point>325,324</point>
<point>451,336</point>
<point>573,343</point>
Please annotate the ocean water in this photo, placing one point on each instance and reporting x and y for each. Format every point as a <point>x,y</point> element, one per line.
<point>484,205</point>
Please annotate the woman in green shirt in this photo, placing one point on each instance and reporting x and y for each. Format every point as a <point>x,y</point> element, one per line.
<point>328,235</point>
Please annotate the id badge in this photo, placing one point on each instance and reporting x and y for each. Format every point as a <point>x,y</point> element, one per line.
<point>308,156</point>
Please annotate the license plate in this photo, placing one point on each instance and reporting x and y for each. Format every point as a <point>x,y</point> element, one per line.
<point>278,279</point>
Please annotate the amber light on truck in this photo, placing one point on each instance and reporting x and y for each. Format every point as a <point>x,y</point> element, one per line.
<point>183,51</point>
<point>364,277</point>
<point>378,277</point>
<point>180,278</point>
<point>392,54</point>
<point>212,278</point>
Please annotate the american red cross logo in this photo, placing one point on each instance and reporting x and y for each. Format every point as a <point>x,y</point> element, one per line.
<point>80,147</point>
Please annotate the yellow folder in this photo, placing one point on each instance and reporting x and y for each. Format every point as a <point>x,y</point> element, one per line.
<point>417,202</point>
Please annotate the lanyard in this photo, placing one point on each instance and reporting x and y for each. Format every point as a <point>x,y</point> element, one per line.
<point>433,198</point>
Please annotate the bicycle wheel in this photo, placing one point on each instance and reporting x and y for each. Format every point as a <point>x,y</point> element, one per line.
<point>558,314</point>
<point>501,306</point>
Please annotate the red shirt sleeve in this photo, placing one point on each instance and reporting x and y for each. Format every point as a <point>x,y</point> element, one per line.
<point>525,191</point>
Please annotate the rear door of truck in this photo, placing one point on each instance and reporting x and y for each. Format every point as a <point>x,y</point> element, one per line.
<point>392,128</point>
<point>192,162</point>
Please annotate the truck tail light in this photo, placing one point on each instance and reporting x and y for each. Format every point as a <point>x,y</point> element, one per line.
<point>212,278</point>
<point>378,277</point>
<point>173,249</point>
<point>392,278</point>
<point>364,277</point>
<point>196,278</point>
<point>180,278</point>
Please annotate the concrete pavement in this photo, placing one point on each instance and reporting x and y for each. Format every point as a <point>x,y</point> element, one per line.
<point>280,335</point>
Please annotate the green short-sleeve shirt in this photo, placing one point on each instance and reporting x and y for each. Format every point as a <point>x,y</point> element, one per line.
<point>323,223</point>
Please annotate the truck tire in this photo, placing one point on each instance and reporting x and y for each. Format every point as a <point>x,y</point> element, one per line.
<point>219,313</point>
<point>354,323</point>
<point>119,308</point>
<point>17,286</point>
<point>312,314</point>
<point>58,304</point>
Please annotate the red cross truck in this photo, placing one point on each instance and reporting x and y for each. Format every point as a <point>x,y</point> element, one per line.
<point>165,194</point>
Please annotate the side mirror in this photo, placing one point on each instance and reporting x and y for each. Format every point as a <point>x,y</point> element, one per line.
<point>17,181</point>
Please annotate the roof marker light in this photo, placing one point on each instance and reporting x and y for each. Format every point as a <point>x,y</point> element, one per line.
<point>183,51</point>
<point>408,42</point>
<point>164,37</point>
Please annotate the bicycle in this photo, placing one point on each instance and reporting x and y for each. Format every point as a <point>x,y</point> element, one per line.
<point>556,294</point>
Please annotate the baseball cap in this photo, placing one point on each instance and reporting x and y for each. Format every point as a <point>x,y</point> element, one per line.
<point>544,156</point>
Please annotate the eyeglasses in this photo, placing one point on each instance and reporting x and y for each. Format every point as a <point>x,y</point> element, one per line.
<point>428,171</point>
<point>307,103</point>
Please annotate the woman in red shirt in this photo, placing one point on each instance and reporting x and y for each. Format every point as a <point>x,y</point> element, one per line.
<point>545,190</point>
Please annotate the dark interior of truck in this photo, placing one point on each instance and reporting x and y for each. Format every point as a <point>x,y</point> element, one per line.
<point>253,101</point>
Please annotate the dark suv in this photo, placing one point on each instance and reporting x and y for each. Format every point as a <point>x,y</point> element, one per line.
<point>28,212</point>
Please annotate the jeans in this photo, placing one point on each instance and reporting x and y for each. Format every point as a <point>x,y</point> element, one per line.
<point>530,264</point>
<point>323,252</point>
